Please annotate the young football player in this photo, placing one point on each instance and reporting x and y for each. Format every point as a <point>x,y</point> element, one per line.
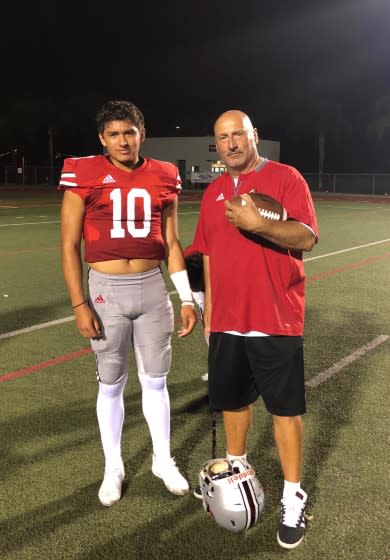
<point>124,206</point>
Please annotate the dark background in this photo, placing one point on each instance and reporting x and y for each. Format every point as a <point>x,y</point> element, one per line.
<point>295,67</point>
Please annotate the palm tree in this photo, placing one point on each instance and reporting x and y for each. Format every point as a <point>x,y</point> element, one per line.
<point>321,118</point>
<point>380,120</point>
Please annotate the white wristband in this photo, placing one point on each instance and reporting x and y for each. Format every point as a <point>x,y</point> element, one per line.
<point>182,285</point>
<point>199,298</point>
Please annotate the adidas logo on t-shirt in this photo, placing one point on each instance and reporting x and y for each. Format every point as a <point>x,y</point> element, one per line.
<point>108,179</point>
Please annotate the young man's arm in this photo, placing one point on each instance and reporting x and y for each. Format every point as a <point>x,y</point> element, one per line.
<point>72,219</point>
<point>176,267</point>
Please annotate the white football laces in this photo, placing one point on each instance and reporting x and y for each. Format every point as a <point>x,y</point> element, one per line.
<point>268,214</point>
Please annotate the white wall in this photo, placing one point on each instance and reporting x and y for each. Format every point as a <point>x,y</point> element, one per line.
<point>199,151</point>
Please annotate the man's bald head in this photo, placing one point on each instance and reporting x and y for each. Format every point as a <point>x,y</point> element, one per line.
<point>236,141</point>
<point>234,115</point>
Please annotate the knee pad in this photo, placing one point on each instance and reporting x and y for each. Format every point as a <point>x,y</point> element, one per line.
<point>152,383</point>
<point>113,389</point>
<point>110,372</point>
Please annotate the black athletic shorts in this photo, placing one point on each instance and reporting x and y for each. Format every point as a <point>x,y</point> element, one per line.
<point>241,368</point>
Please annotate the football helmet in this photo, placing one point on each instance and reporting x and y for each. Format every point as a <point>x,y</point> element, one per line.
<point>194,265</point>
<point>232,494</point>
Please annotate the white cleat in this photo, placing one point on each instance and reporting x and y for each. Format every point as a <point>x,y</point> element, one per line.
<point>169,473</point>
<point>205,376</point>
<point>110,490</point>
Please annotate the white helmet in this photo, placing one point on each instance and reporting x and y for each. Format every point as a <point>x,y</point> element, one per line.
<point>232,493</point>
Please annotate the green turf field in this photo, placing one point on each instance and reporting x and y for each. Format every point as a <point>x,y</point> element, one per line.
<point>50,458</point>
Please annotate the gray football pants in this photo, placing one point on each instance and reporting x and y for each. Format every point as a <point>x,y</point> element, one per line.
<point>135,312</point>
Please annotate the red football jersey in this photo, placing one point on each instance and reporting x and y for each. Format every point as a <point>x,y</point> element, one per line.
<point>123,211</point>
<point>255,286</point>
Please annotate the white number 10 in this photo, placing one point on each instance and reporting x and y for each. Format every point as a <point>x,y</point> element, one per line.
<point>117,230</point>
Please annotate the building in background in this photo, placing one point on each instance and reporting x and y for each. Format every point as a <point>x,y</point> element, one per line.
<point>196,157</point>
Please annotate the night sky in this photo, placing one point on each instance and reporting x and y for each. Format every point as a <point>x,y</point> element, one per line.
<point>290,65</point>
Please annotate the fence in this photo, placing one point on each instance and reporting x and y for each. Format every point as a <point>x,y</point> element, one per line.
<point>28,175</point>
<point>343,183</point>
<point>350,183</point>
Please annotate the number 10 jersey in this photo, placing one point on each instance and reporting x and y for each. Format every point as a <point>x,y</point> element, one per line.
<point>123,211</point>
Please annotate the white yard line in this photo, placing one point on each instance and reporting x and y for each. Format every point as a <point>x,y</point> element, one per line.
<point>346,250</point>
<point>344,362</point>
<point>36,327</point>
<point>44,325</point>
<point>30,223</point>
<point>58,221</point>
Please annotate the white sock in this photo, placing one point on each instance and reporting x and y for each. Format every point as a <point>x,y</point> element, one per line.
<point>290,488</point>
<point>241,458</point>
<point>156,409</point>
<point>110,413</point>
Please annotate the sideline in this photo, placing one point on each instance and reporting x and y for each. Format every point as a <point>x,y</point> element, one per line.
<point>344,362</point>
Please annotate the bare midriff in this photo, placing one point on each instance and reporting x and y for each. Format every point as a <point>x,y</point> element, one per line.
<point>125,266</point>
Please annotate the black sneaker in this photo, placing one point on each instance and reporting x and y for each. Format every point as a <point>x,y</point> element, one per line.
<point>198,492</point>
<point>292,520</point>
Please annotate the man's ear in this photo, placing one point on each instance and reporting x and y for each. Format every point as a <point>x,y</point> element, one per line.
<point>255,135</point>
<point>142,135</point>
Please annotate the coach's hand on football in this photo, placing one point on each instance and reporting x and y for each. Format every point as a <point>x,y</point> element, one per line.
<point>188,320</point>
<point>245,217</point>
<point>87,322</point>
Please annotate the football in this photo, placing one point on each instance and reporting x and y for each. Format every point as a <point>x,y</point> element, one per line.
<point>267,206</point>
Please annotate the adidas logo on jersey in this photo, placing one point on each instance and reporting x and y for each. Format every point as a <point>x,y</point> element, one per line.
<point>220,197</point>
<point>99,299</point>
<point>108,179</point>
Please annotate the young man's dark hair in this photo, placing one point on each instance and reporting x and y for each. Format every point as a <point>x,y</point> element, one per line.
<point>119,110</point>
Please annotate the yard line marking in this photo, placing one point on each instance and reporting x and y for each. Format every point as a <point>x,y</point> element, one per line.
<point>48,324</point>
<point>57,221</point>
<point>344,362</point>
<point>352,266</point>
<point>24,251</point>
<point>346,250</point>
<point>53,362</point>
<point>36,327</point>
<point>30,223</point>
<point>353,207</point>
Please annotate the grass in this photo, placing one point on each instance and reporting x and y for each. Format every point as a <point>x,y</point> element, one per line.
<point>51,462</point>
